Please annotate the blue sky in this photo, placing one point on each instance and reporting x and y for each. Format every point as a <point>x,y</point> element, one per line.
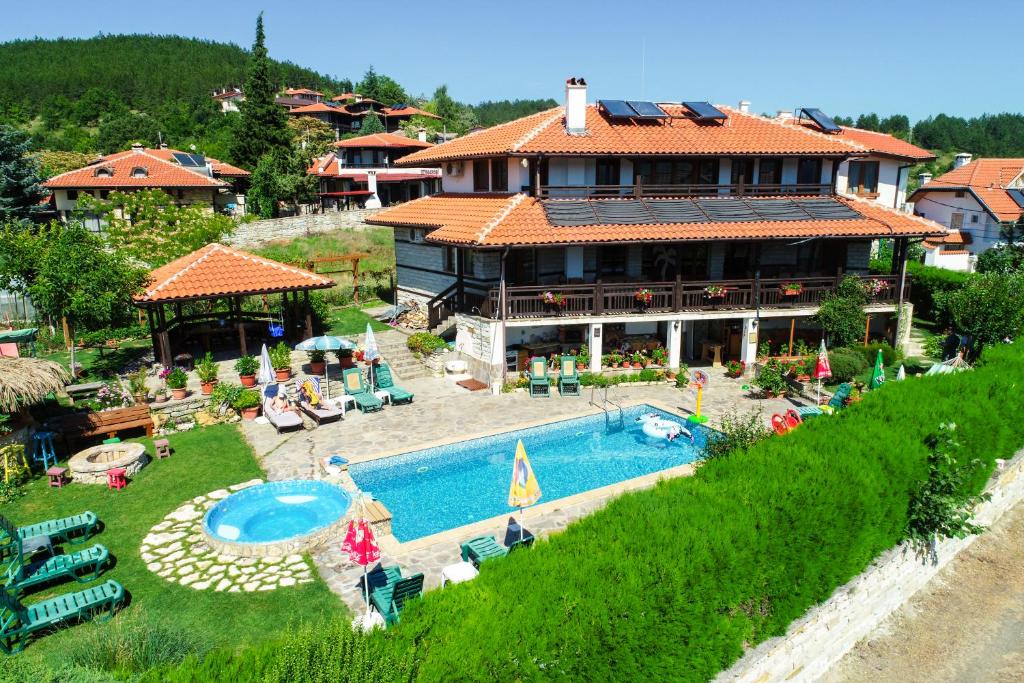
<point>917,58</point>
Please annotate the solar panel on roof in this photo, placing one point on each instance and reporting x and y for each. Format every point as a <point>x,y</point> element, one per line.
<point>705,111</point>
<point>1017,196</point>
<point>617,109</point>
<point>824,121</point>
<point>647,110</point>
<point>190,160</point>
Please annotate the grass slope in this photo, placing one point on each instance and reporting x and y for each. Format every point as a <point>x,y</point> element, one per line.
<point>203,460</point>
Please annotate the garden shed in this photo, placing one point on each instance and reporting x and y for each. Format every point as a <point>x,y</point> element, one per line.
<point>198,302</point>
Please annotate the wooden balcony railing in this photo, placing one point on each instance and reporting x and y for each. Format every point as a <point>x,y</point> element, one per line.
<point>690,190</point>
<point>679,296</point>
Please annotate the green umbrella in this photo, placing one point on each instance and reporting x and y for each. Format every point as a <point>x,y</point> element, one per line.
<point>878,374</point>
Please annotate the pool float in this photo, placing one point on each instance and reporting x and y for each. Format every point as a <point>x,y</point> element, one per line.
<point>779,424</point>
<point>665,429</point>
<point>793,419</point>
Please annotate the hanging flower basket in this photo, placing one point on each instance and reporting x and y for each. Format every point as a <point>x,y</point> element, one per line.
<point>553,301</point>
<point>874,286</point>
<point>714,292</point>
<point>791,288</point>
<point>643,298</point>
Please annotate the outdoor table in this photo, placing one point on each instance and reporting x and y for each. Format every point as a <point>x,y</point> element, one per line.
<point>116,478</point>
<point>458,573</point>
<point>342,402</point>
<point>33,544</point>
<point>56,475</point>
<point>383,396</point>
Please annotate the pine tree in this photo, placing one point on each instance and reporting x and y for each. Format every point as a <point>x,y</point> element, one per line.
<point>371,124</point>
<point>20,192</point>
<point>262,127</point>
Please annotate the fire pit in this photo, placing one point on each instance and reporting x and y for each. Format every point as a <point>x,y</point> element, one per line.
<point>90,466</point>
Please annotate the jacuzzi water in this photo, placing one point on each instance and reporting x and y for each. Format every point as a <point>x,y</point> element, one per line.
<point>276,511</point>
<point>436,489</point>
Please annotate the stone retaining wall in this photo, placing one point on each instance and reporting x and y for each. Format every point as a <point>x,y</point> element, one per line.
<point>257,233</point>
<point>818,640</point>
<point>179,412</point>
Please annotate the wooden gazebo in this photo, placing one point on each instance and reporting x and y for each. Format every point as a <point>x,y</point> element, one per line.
<point>220,272</point>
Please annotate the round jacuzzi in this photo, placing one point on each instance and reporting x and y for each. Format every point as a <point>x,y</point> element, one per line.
<point>276,518</point>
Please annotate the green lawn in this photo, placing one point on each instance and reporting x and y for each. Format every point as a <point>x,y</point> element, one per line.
<point>379,243</point>
<point>352,321</point>
<point>101,363</point>
<point>203,460</point>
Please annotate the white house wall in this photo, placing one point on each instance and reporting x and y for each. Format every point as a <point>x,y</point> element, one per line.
<point>940,207</point>
<point>892,183</point>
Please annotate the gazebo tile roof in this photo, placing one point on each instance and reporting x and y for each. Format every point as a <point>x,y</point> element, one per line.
<point>217,270</point>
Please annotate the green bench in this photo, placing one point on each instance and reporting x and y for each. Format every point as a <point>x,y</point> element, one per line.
<point>390,595</point>
<point>83,566</point>
<point>74,529</point>
<point>18,622</point>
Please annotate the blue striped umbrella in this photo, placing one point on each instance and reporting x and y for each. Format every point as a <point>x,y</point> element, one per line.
<point>325,343</point>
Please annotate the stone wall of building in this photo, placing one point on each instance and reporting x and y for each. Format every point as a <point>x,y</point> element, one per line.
<point>815,642</point>
<point>172,413</point>
<point>257,233</point>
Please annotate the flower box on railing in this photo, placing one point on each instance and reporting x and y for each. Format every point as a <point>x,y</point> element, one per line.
<point>791,288</point>
<point>715,292</point>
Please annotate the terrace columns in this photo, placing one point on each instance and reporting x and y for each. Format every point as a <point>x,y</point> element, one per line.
<point>674,343</point>
<point>748,342</point>
<point>372,201</point>
<point>595,347</point>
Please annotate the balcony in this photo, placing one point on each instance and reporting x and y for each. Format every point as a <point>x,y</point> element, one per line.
<point>645,190</point>
<point>678,297</point>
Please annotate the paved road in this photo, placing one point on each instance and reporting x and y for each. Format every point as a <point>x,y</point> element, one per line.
<point>967,626</point>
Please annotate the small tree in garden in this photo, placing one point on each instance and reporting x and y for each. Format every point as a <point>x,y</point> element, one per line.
<point>841,314</point>
<point>79,280</point>
<point>940,507</point>
<point>371,124</point>
<point>989,307</point>
<point>148,226</point>
<point>20,192</point>
<point>312,136</point>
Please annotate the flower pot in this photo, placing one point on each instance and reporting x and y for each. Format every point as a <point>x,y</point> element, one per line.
<point>346,362</point>
<point>626,364</point>
<point>250,413</point>
<point>140,398</point>
<point>179,394</point>
<point>581,366</point>
<point>247,380</point>
<point>670,375</point>
<point>318,367</point>
<point>207,387</point>
<point>615,366</point>
<point>283,374</point>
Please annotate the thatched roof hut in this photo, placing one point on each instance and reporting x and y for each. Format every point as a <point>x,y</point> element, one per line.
<point>24,381</point>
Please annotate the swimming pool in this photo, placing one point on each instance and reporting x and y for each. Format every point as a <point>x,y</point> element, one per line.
<point>436,489</point>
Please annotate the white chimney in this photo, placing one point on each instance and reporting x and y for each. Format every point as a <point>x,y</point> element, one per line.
<point>923,178</point>
<point>783,114</point>
<point>575,106</point>
<point>745,106</point>
<point>372,201</point>
<point>961,159</point>
<point>421,134</point>
<point>137,147</point>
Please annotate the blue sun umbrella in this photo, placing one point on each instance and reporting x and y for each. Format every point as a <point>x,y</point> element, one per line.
<point>325,343</point>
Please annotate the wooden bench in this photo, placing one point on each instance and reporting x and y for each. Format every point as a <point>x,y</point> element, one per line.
<point>107,423</point>
<point>82,390</point>
<point>379,517</point>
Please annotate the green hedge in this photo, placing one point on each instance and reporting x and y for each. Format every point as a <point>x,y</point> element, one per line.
<point>673,582</point>
<point>925,283</point>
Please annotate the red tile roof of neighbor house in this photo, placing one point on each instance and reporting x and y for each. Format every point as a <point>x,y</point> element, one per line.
<point>987,179</point>
<point>382,140</point>
<point>344,96</point>
<point>408,111</point>
<point>320,108</point>
<point>302,91</point>
<point>953,237</point>
<point>217,270</point>
<point>220,168</point>
<point>544,133</point>
<point>496,220</point>
<point>159,172</point>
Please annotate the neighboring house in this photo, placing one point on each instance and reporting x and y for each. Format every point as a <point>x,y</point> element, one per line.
<point>304,94</point>
<point>186,177</point>
<point>228,99</point>
<point>361,171</point>
<point>616,224</point>
<point>976,199</point>
<point>347,118</point>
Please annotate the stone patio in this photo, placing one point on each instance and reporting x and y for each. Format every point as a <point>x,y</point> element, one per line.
<point>445,412</point>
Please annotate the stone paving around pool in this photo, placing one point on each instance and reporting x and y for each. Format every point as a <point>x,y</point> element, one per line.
<point>443,411</point>
<point>176,550</point>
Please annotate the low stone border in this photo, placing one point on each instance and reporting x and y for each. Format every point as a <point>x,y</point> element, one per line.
<point>176,550</point>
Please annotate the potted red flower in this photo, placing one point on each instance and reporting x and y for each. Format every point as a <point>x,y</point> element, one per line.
<point>791,288</point>
<point>643,298</point>
<point>735,368</point>
<point>714,292</point>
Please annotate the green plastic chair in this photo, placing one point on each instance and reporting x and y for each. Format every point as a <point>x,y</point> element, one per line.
<point>357,389</point>
<point>18,622</point>
<point>539,385</point>
<point>386,383</point>
<point>568,378</point>
<point>74,529</point>
<point>483,548</point>
<point>390,598</point>
<point>83,566</point>
<point>837,402</point>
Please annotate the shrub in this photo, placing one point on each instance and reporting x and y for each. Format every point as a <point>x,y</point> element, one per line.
<point>846,364</point>
<point>890,356</point>
<point>988,308</point>
<point>224,394</point>
<point>927,283</point>
<point>247,398</point>
<point>425,343</point>
<point>771,379</point>
<point>247,365</point>
<point>841,314</point>
<point>737,431</point>
<point>176,379</point>
<point>281,356</point>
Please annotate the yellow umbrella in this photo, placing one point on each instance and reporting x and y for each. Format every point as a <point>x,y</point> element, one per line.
<point>524,489</point>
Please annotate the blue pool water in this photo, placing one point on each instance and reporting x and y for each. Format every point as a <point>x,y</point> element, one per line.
<point>276,511</point>
<point>441,488</point>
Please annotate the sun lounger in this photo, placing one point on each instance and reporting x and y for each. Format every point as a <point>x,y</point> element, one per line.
<point>390,598</point>
<point>83,566</point>
<point>539,385</point>
<point>357,389</point>
<point>483,548</point>
<point>18,622</point>
<point>568,378</point>
<point>836,403</point>
<point>386,383</point>
<point>281,419</point>
<point>74,529</point>
<point>317,409</point>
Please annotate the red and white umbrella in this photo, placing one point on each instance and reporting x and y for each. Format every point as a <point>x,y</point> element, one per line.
<point>362,549</point>
<point>822,370</point>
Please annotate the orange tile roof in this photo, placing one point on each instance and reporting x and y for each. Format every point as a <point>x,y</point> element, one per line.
<point>159,173</point>
<point>220,168</point>
<point>496,220</point>
<point>302,91</point>
<point>954,237</point>
<point>544,133</point>
<point>888,145</point>
<point>382,140</point>
<point>319,108</point>
<point>987,179</point>
<point>408,111</point>
<point>344,96</point>
<point>217,270</point>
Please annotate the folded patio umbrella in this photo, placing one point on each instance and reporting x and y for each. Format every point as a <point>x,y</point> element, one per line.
<point>361,546</point>
<point>524,489</point>
<point>822,369</point>
<point>370,350</point>
<point>266,375</point>
<point>325,343</point>
<point>878,373</point>
<point>901,374</point>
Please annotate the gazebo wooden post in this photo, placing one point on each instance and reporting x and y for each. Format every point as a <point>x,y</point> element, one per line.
<point>355,280</point>
<point>309,313</point>
<point>240,324</point>
<point>152,331</point>
<point>166,357</point>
